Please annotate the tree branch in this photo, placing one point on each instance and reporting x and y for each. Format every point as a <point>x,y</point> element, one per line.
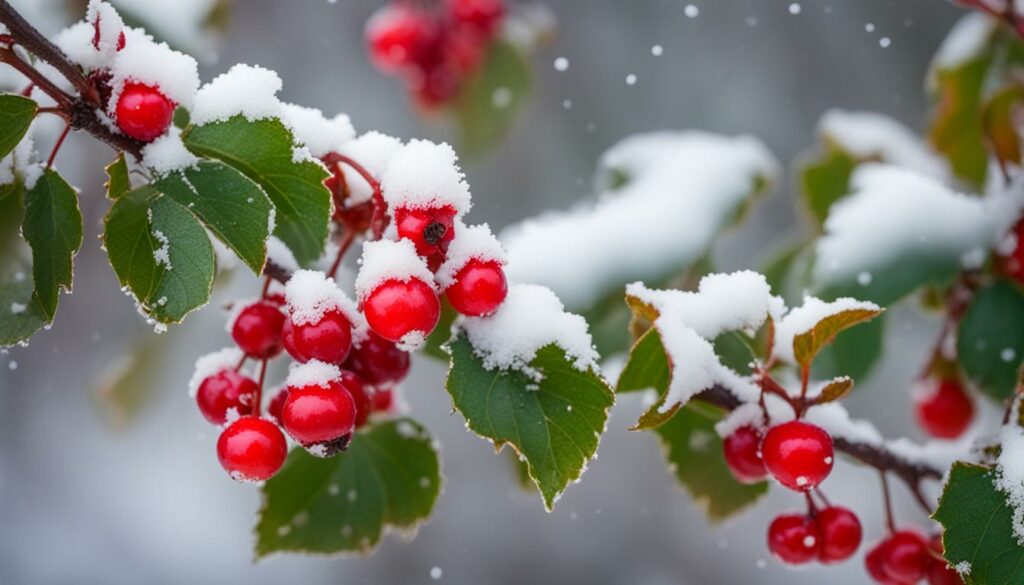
<point>876,456</point>
<point>80,110</point>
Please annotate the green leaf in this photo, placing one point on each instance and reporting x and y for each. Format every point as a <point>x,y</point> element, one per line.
<point>999,122</point>
<point>16,115</point>
<point>906,271</point>
<point>825,180</point>
<point>647,366</point>
<point>693,451</point>
<point>21,314</point>
<point>853,353</point>
<point>990,343</point>
<point>736,350</point>
<point>118,181</point>
<point>442,333</point>
<point>807,345</point>
<point>555,423</point>
<point>263,151</point>
<point>389,477</point>
<point>53,229</point>
<point>488,103</point>
<point>956,129</point>
<point>834,390</point>
<point>144,224</point>
<point>234,208</point>
<point>978,527</point>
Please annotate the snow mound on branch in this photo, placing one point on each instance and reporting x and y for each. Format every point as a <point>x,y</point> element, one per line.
<point>245,89</point>
<point>531,318</point>
<point>212,364</point>
<point>470,243</point>
<point>688,323</point>
<point>424,174</point>
<point>886,204</point>
<point>168,153</point>
<point>373,150</point>
<point>385,260</point>
<point>867,135</point>
<point>321,135</point>
<point>312,373</point>
<point>802,319</point>
<point>279,254</point>
<point>310,294</point>
<point>965,41</point>
<point>681,188</point>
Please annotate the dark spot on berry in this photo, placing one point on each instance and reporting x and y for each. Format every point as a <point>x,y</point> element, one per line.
<point>434,232</point>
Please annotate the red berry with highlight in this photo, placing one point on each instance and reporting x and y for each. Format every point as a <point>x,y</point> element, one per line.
<point>943,408</point>
<point>224,391</point>
<point>257,330</point>
<point>319,418</point>
<point>327,340</point>
<point>277,405</point>
<point>840,532</point>
<point>939,571</point>
<point>483,15</point>
<point>395,309</point>
<point>399,37</point>
<point>430,230</point>
<point>252,449</point>
<point>797,454</point>
<point>793,539</point>
<point>905,557</point>
<point>378,361</point>
<point>874,562</point>
<point>142,112</point>
<point>360,396</point>
<point>743,455</point>
<point>479,288</point>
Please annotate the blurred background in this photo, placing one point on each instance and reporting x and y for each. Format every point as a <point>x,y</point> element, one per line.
<point>91,493</point>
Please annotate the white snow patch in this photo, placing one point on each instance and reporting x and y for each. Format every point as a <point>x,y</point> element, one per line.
<point>470,243</point>
<point>168,153</point>
<point>373,151</point>
<point>425,174</point>
<point>965,41</point>
<point>245,89</point>
<point>280,254</point>
<point>312,373</point>
<point>531,318</point>
<point>320,134</point>
<point>385,260</point>
<point>310,294</point>
<point>1010,473</point>
<point>683,187</point>
<point>212,364</point>
<point>867,135</point>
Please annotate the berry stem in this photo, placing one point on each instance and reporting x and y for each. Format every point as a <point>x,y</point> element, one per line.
<point>379,220</point>
<point>812,510</point>
<point>241,362</point>
<point>258,400</point>
<point>890,522</point>
<point>346,243</point>
<point>56,147</point>
<point>64,101</point>
<point>266,287</point>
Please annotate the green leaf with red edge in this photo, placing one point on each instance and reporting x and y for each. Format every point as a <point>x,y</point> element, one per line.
<point>554,422</point>
<point>230,205</point>
<point>1000,117</point>
<point>990,340</point>
<point>53,229</point>
<point>978,527</point>
<point>834,390</point>
<point>16,115</point>
<point>488,103</point>
<point>145,224</point>
<point>118,180</point>
<point>265,152</point>
<point>389,478</point>
<point>807,345</point>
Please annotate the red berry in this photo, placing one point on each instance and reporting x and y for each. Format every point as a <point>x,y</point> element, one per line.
<point>399,36</point>
<point>840,532</point>
<point>377,361</point>
<point>327,340</point>
<point>360,396</point>
<point>143,113</point>
<point>257,330</point>
<point>383,400</point>
<point>277,405</point>
<point>939,571</point>
<point>1013,264</point>
<point>320,419</point>
<point>479,288</point>
<point>484,15</point>
<point>743,455</point>
<point>224,391</point>
<point>793,539</point>
<point>943,408</point>
<point>906,556</point>
<point>395,309</point>
<point>251,449</point>
<point>797,454</point>
<point>874,562</point>
<point>430,230</point>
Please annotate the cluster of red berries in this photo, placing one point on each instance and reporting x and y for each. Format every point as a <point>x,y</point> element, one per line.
<point>906,557</point>
<point>142,112</point>
<point>433,50</point>
<point>319,414</point>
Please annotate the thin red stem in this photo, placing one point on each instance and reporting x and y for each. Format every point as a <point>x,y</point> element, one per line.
<point>258,402</point>
<point>266,287</point>
<point>346,243</point>
<point>241,362</point>
<point>379,220</point>
<point>65,100</point>
<point>56,147</point>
